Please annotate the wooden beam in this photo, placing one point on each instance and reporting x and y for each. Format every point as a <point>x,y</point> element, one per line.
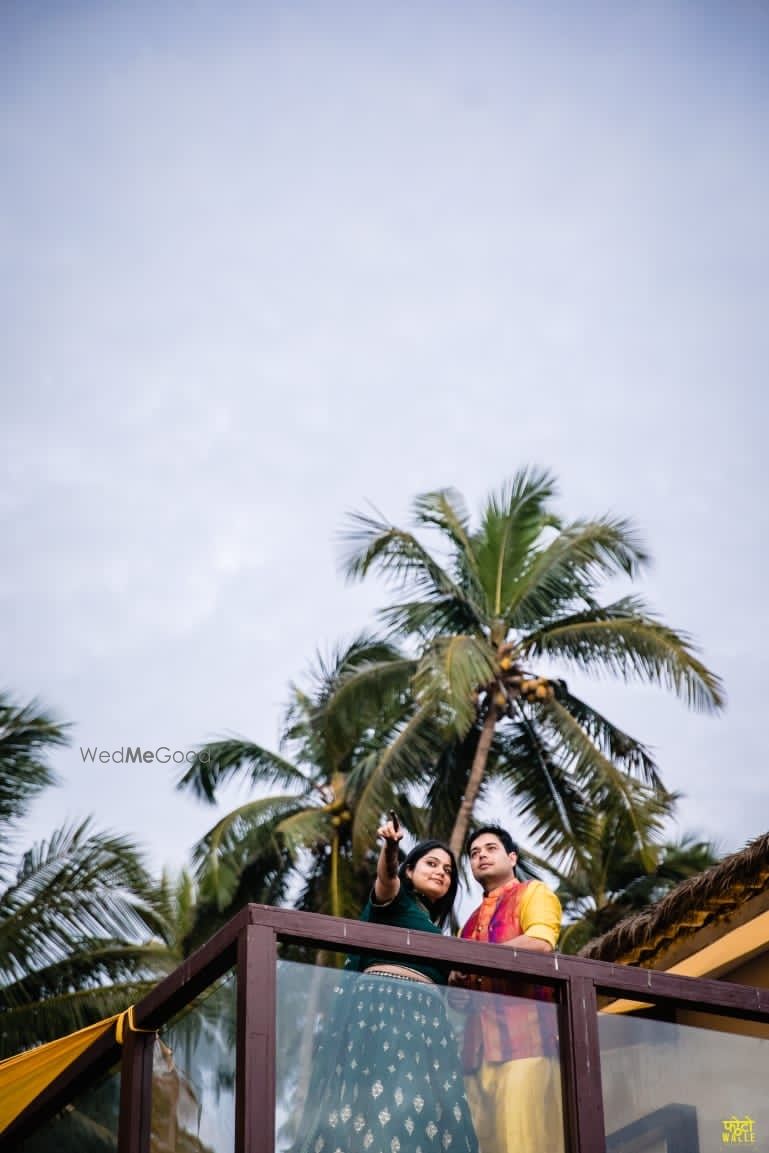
<point>581,1068</point>
<point>257,1026</point>
<point>136,1093</point>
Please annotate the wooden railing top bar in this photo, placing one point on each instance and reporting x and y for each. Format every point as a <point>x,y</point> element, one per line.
<point>643,985</point>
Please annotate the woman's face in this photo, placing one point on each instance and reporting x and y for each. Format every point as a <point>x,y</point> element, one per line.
<point>431,875</point>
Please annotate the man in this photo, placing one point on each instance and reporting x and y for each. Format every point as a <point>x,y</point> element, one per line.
<point>510,1052</point>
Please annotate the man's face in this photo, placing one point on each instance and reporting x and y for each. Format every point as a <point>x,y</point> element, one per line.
<point>490,862</point>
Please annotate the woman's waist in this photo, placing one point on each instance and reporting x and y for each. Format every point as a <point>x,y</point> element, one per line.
<point>403,972</point>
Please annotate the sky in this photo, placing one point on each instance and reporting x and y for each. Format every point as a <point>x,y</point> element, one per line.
<point>263,263</point>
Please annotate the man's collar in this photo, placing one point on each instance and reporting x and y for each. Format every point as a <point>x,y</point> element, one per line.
<point>500,889</point>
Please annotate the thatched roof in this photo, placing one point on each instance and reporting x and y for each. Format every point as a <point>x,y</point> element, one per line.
<point>708,898</point>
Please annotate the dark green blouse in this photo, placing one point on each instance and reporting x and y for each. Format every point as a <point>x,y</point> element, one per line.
<point>405,911</point>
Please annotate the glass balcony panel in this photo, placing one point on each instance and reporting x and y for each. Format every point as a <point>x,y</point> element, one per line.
<point>683,1088</point>
<point>89,1124</point>
<point>193,1077</point>
<point>385,1065</point>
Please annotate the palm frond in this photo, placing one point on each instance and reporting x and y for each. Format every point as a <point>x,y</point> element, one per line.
<point>541,788</point>
<point>449,781</point>
<point>624,750</point>
<point>95,963</point>
<point>258,871</point>
<point>616,879</point>
<point>545,865</point>
<point>452,671</point>
<point>176,898</point>
<point>242,837</point>
<point>445,510</point>
<point>377,779</point>
<point>415,817</point>
<point>369,696</point>
<point>304,828</point>
<point>570,566</point>
<point>219,761</point>
<point>626,640</point>
<point>403,560</point>
<point>593,773</point>
<point>328,672</point>
<point>315,895</point>
<point>27,735</point>
<point>77,885</point>
<point>513,520</point>
<point>37,1022</point>
<point>425,618</point>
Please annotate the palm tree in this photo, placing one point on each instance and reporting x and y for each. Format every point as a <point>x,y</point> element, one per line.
<point>27,735</point>
<point>613,872</point>
<point>79,930</point>
<point>83,932</point>
<point>306,840</point>
<point>522,587</point>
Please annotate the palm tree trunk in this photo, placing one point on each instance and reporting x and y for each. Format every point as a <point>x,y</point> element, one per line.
<point>462,823</point>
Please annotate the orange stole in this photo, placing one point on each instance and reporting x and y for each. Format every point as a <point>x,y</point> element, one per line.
<point>502,1029</point>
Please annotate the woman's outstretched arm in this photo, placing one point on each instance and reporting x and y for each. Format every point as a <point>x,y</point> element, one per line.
<point>387,884</point>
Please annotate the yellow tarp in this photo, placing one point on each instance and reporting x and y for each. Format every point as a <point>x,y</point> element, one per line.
<point>24,1076</point>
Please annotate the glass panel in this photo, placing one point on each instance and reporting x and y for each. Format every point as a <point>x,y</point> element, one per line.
<point>683,1088</point>
<point>385,1065</point>
<point>193,1078</point>
<point>88,1125</point>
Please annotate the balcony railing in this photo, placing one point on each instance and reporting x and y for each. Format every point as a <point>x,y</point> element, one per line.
<point>229,1052</point>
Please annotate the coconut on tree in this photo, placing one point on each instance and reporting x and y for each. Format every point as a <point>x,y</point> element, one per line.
<point>487,615</point>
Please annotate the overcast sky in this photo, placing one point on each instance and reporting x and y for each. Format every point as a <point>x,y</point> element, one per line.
<point>265,262</point>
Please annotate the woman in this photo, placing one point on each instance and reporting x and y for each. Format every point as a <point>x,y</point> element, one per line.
<point>392,1078</point>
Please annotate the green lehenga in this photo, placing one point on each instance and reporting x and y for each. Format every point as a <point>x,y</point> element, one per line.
<point>386,1074</point>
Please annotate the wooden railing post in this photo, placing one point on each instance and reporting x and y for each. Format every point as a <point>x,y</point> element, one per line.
<point>255,1072</point>
<point>136,1092</point>
<point>581,1063</point>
